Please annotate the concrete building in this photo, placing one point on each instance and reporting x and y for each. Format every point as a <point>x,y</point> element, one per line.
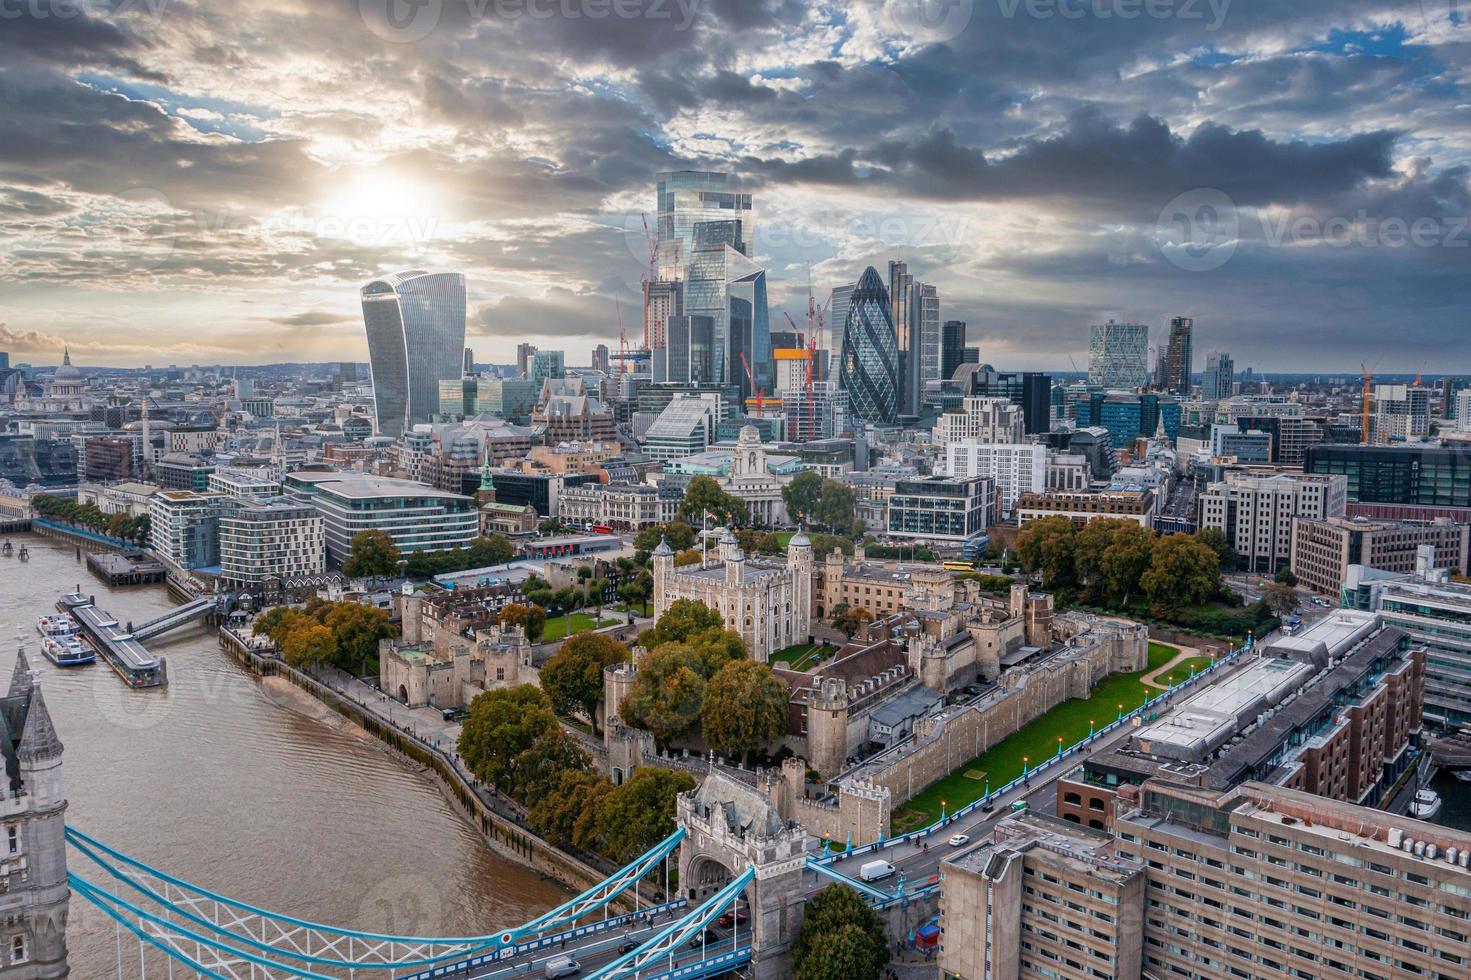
<point>1218,381</point>
<point>1264,881</point>
<point>1015,469</point>
<point>622,506</point>
<point>265,538</point>
<point>184,527</point>
<point>1082,507</point>
<point>1462,414</point>
<point>33,903</point>
<point>1256,512</point>
<point>129,497</point>
<point>982,419</point>
<point>1178,356</point>
<point>768,603</point>
<point>240,481</point>
<point>1401,413</point>
<point>1323,550</point>
<point>1042,898</point>
<point>685,427</point>
<point>417,517</point>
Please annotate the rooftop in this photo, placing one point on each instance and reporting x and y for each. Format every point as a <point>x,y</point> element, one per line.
<point>363,485</point>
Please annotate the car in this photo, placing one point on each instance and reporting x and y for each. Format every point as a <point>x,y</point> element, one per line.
<point>627,946</point>
<point>960,840</point>
<point>971,689</point>
<point>562,966</point>
<point>730,918</point>
<point>708,936</point>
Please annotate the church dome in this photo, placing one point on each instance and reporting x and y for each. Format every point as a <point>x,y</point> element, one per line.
<point>66,372</point>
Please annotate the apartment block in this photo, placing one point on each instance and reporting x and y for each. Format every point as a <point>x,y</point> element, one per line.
<point>987,420</point>
<point>184,527</point>
<point>1042,899</point>
<point>417,517</point>
<point>1262,881</point>
<point>1323,550</point>
<point>1016,469</point>
<point>1256,512</point>
<point>265,538</point>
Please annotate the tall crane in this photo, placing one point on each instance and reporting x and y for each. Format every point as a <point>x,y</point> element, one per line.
<point>648,277</point>
<point>1368,393</point>
<point>761,401</point>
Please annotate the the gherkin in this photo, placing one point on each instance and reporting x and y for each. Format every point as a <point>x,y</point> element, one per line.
<point>869,371</point>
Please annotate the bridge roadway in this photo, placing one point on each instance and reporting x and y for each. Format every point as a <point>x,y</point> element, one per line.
<point>920,865</point>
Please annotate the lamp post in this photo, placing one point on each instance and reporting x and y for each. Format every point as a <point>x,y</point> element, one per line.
<point>1090,729</point>
<point>1024,766</point>
<point>1121,713</point>
<point>942,811</point>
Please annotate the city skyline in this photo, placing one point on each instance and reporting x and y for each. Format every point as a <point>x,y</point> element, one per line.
<point>158,209</point>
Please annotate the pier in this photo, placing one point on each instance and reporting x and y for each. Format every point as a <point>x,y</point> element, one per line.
<point>128,658</point>
<point>125,568</point>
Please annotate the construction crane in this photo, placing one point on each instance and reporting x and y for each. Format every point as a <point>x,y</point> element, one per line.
<point>1368,393</point>
<point>649,276</point>
<point>761,399</point>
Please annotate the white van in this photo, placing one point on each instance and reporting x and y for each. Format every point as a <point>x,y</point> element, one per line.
<point>875,870</point>
<point>562,966</point>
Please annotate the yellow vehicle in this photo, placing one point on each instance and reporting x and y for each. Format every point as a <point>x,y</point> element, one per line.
<point>958,566</point>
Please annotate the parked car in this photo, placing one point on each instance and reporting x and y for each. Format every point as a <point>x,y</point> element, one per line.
<point>960,840</point>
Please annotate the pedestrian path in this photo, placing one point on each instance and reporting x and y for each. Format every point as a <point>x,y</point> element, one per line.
<point>1186,653</point>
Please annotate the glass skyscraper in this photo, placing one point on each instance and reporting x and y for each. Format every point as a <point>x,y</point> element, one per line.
<point>687,198</point>
<point>1118,355</point>
<point>1179,355</point>
<point>416,338</point>
<point>869,369</point>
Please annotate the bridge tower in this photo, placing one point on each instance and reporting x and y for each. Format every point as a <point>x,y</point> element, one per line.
<point>731,826</point>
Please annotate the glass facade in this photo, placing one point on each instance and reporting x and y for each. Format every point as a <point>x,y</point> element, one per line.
<point>1423,476</point>
<point>415,324</point>
<point>687,198</point>
<point>869,369</point>
<point>1118,355</point>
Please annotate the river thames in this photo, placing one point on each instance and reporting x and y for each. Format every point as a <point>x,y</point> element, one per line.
<point>248,787</point>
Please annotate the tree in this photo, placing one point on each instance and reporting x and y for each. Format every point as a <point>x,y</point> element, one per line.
<point>308,644</point>
<point>633,593</point>
<point>689,556</point>
<point>1124,562</point>
<point>1089,544</point>
<point>494,550</point>
<point>837,508</point>
<point>800,497</point>
<point>683,619</point>
<point>1285,576</point>
<point>357,630</point>
<point>532,619</point>
<point>1046,547</point>
<point>852,619</point>
<point>555,815</point>
<point>639,814</point>
<point>1280,597</point>
<point>745,708</point>
<point>1215,539</point>
<point>1182,571</point>
<point>538,767</point>
<point>837,923</point>
<point>716,647</point>
<point>679,535</point>
<point>573,678</point>
<point>704,496</point>
<point>667,692</point>
<point>373,554</point>
<point>501,725</point>
<point>269,621</point>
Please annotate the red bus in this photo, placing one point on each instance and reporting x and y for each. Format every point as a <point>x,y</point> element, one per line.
<point>600,529</point>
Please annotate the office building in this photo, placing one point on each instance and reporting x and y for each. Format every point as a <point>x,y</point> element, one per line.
<point>182,471</point>
<point>541,490</point>
<point>869,370</point>
<point>1129,415</point>
<point>837,318</point>
<point>1015,469</point>
<point>1118,355</point>
<point>569,414</point>
<point>524,353</point>
<point>1405,482</point>
<point>1244,446</point>
<point>469,366</point>
<point>1081,507</point>
<point>1401,414</point>
<point>1324,550</point>
<point>685,427</point>
<point>982,419</point>
<point>823,415</point>
<point>184,527</point>
<point>1177,356</point>
<point>1042,898</point>
<point>107,459</point>
<point>687,198</point>
<point>621,506</point>
<point>241,481</point>
<point>722,283</point>
<point>1031,390</point>
<point>792,365</point>
<point>662,300</point>
<point>416,338</point>
<point>416,516</point>
<point>941,509</point>
<point>547,365</point>
<point>915,311</point>
<point>602,359</point>
<point>1462,410</point>
<point>1256,512</point>
<point>1218,381</point>
<point>264,538</point>
<point>952,347</point>
<point>688,354</point>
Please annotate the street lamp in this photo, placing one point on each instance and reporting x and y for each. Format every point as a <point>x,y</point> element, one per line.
<point>1059,746</point>
<point>1090,728</point>
<point>942,811</point>
<point>1121,713</point>
<point>1024,766</point>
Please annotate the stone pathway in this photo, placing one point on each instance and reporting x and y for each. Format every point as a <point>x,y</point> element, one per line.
<point>1186,653</point>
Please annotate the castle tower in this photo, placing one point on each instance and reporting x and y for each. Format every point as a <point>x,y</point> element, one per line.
<point>32,831</point>
<point>735,565</point>
<point>827,727</point>
<point>799,560</point>
<point>728,545</point>
<point>663,558</point>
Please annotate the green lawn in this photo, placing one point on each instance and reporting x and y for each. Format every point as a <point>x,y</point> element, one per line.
<point>559,627</point>
<point>799,656</point>
<point>1035,742</point>
<point>784,538</point>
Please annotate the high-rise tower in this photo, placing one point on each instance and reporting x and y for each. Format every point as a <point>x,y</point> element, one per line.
<point>869,368</point>
<point>416,339</point>
<point>1118,355</point>
<point>1179,355</point>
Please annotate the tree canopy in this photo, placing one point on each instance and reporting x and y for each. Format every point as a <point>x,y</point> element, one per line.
<point>745,708</point>
<point>573,678</point>
<point>840,937</point>
<point>373,554</point>
<point>705,496</point>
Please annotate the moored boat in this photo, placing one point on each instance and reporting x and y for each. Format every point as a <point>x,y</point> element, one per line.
<point>66,651</point>
<point>1426,805</point>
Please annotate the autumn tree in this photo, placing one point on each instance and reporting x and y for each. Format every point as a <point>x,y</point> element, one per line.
<point>678,533</point>
<point>683,619</point>
<point>373,554</point>
<point>837,509</point>
<point>745,708</point>
<point>851,619</point>
<point>308,644</point>
<point>573,678</point>
<point>634,817</point>
<point>1181,572</point>
<point>494,550</point>
<point>532,619</point>
<point>501,726</point>
<point>1046,547</point>
<point>1124,561</point>
<point>1215,539</point>
<point>666,693</point>
<point>705,496</point>
<point>357,629</point>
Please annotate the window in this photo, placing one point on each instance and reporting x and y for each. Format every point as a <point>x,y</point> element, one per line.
<point>12,837</point>
<point>18,953</point>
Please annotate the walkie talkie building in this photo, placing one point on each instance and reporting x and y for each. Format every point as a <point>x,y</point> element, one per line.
<point>416,339</point>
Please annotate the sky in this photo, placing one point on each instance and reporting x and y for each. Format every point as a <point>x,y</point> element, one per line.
<point>212,182</point>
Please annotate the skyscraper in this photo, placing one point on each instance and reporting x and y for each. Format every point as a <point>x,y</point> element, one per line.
<point>837,319</point>
<point>1118,355</point>
<point>524,354</point>
<point>1216,382</point>
<point>868,371</point>
<point>602,359</point>
<point>416,337</point>
<point>662,300</point>
<point>726,286</point>
<point>547,365</point>
<point>952,347</point>
<point>915,309</point>
<point>687,198</point>
<point>469,367</point>
<point>1179,355</point>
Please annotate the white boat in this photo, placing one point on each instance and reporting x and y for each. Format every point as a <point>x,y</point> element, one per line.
<point>1464,775</point>
<point>56,626</point>
<point>1426,805</point>
<point>66,651</point>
